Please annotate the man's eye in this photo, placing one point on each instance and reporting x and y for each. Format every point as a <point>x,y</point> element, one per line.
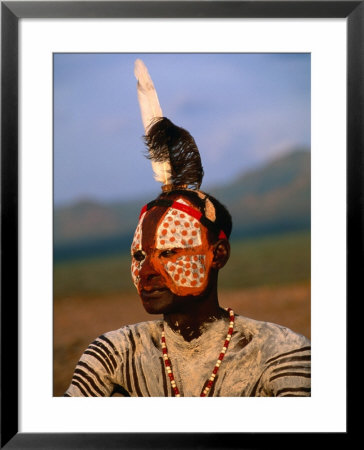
<point>168,253</point>
<point>139,256</point>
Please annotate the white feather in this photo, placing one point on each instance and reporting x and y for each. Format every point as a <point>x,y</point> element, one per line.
<point>147,95</point>
<point>162,171</point>
<point>150,109</point>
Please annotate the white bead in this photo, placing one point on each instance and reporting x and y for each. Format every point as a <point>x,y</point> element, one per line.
<point>217,365</point>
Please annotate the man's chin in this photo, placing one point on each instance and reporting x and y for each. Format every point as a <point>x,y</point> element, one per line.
<point>157,301</point>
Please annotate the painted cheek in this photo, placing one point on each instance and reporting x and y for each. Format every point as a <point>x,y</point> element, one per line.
<point>136,246</point>
<point>188,275</point>
<point>135,270</point>
<point>188,271</point>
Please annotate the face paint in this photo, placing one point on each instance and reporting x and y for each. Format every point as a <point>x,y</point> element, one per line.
<point>180,253</point>
<point>136,246</point>
<point>180,230</point>
<point>187,271</point>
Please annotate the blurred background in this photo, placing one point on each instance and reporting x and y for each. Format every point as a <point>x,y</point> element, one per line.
<point>250,117</point>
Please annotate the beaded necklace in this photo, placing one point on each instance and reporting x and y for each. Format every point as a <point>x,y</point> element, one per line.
<point>208,384</point>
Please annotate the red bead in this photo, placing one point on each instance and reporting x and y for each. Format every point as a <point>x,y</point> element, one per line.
<point>209,382</point>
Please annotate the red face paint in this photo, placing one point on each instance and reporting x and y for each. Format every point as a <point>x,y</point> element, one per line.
<point>171,250</point>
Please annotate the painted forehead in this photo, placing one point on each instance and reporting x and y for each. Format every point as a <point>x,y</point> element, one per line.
<point>174,228</point>
<point>137,240</point>
<point>178,229</point>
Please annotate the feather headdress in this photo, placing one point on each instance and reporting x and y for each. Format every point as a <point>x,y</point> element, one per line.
<point>172,150</point>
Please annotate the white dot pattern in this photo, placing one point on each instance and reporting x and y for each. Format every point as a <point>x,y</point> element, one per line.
<point>188,271</point>
<point>137,240</point>
<point>135,246</point>
<point>178,230</point>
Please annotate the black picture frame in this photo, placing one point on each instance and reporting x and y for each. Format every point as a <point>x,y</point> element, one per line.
<point>11,12</point>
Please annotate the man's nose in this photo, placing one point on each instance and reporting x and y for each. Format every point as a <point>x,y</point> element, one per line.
<point>148,270</point>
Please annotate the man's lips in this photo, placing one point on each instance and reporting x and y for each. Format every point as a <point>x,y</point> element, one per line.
<point>151,292</point>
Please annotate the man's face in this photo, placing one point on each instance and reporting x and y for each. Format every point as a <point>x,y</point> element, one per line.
<point>171,256</point>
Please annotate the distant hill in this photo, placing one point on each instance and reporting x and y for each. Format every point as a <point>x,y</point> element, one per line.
<point>275,197</point>
<point>272,198</point>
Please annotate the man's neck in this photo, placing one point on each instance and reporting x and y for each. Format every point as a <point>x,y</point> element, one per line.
<point>189,325</point>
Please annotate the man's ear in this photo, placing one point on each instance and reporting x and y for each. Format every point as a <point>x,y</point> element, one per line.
<point>221,254</point>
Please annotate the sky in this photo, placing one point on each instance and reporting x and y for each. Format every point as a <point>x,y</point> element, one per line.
<point>242,110</point>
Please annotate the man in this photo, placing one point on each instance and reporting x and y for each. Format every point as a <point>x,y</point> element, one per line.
<point>180,244</point>
<point>175,265</point>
